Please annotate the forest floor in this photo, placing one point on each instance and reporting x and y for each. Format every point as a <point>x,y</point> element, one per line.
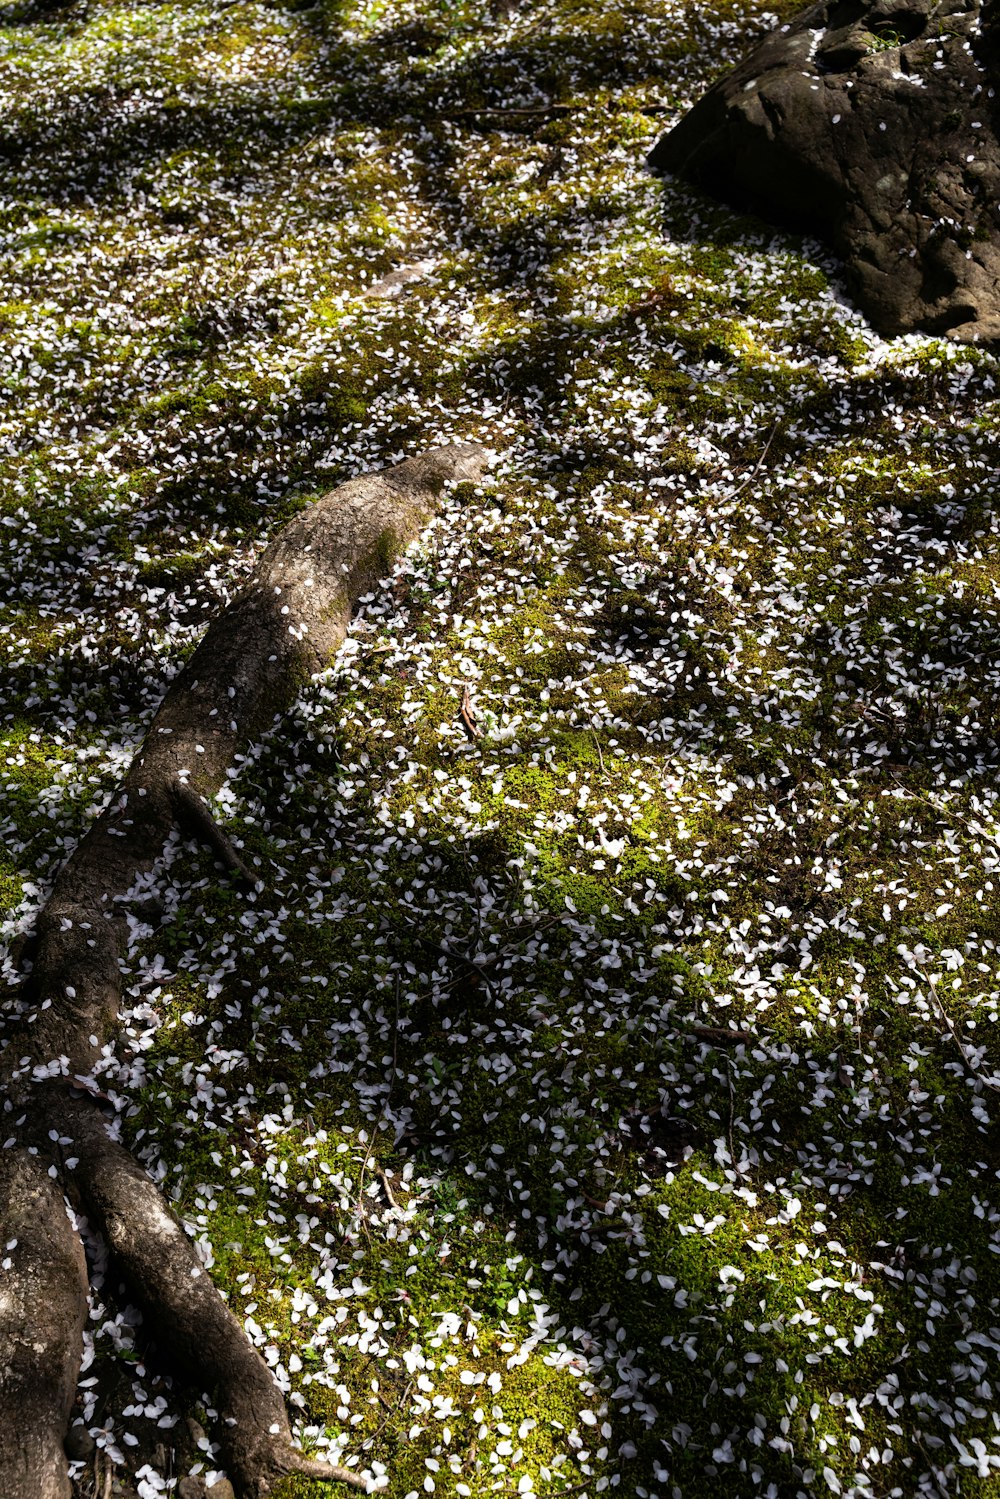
<point>605,1102</point>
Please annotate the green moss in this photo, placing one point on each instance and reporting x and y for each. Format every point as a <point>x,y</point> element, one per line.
<point>11,886</point>
<point>28,763</point>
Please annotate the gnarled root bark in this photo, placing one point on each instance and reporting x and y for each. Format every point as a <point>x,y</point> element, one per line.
<point>284,627</point>
<point>193,1326</point>
<point>43,1307</point>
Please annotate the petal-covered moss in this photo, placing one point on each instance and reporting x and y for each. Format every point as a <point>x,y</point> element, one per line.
<point>603,1100</point>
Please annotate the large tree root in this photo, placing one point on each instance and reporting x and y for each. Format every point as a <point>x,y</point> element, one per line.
<point>283,628</point>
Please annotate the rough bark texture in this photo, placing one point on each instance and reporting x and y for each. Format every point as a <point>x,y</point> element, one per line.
<point>283,628</point>
<point>872,123</point>
<point>43,1305</point>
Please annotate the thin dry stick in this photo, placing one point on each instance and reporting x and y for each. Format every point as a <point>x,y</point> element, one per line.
<point>935,1472</point>
<point>502,112</point>
<point>987,1082</point>
<point>757,466</point>
<point>392,1411</point>
<point>732,1145</point>
<point>379,1172</point>
<point>479,969</point>
<point>719,1035</point>
<point>594,1202</point>
<point>383,1177</point>
<point>468,717</point>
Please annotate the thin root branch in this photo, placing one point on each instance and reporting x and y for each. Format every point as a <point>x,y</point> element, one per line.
<point>194,816</point>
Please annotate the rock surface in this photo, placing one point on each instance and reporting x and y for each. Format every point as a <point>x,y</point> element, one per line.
<point>876,127</point>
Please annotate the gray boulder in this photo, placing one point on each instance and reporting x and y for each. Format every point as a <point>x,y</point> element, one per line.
<point>875,126</point>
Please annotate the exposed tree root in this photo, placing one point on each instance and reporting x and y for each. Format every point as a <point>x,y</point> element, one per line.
<point>284,627</point>
<point>43,1307</point>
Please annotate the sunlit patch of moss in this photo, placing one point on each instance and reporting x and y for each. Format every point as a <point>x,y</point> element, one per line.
<point>28,764</point>
<point>11,886</point>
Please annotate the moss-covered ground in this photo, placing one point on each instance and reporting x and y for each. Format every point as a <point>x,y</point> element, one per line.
<point>448,1101</point>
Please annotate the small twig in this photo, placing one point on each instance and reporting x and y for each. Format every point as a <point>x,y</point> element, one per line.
<point>381,1115</point>
<point>194,814</point>
<point>468,717</point>
<point>720,1035</point>
<point>729,1080</point>
<point>502,111</point>
<point>395,1042</point>
<point>980,656</point>
<point>479,969</point>
<point>600,757</point>
<point>934,1471</point>
<point>757,466</point>
<point>392,1411</point>
<point>602,1207</point>
<point>973,1070</point>
<point>732,1145</point>
<point>384,1179</point>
